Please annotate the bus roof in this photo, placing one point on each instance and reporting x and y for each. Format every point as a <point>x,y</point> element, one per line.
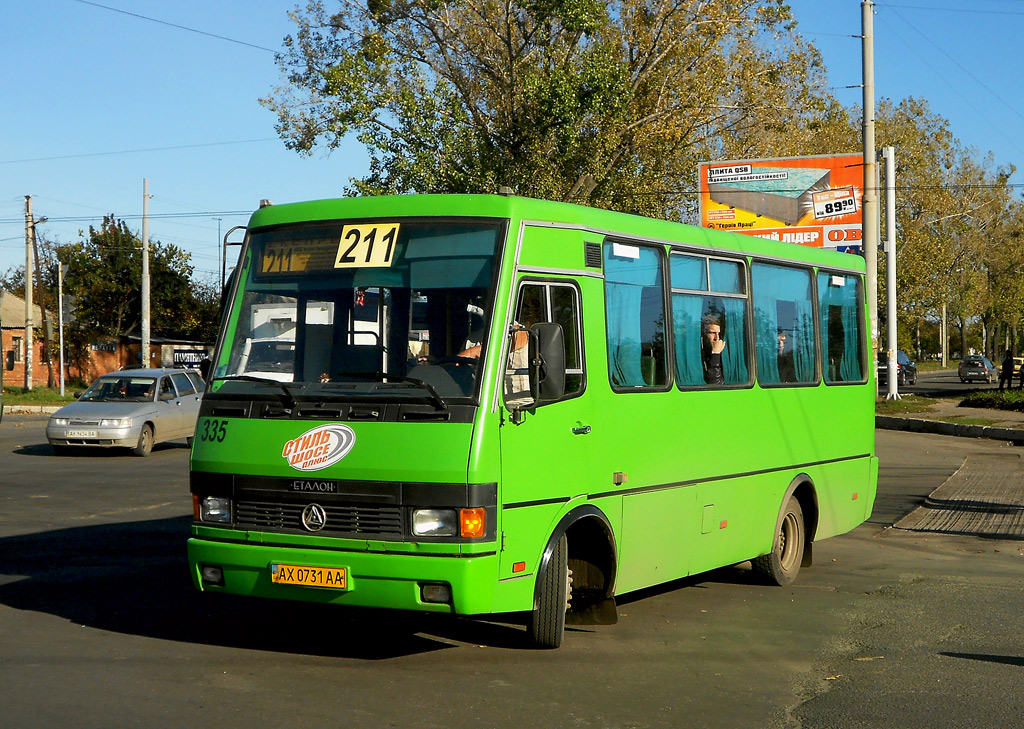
<point>530,209</point>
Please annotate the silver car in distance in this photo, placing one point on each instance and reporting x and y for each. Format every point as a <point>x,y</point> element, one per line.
<point>131,409</point>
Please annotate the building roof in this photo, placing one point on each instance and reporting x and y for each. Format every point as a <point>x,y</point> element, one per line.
<point>12,312</point>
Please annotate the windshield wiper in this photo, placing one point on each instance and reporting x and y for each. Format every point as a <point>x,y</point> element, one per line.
<point>289,397</point>
<point>435,398</point>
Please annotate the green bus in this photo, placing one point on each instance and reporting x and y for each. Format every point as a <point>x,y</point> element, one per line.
<point>488,404</point>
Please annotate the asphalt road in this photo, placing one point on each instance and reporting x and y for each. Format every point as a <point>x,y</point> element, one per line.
<point>943,383</point>
<point>99,626</point>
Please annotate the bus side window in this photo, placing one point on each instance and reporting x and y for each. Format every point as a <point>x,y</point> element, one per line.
<point>545,302</point>
<point>565,310</point>
<point>724,304</point>
<point>635,313</point>
<point>785,324</point>
<point>840,303</point>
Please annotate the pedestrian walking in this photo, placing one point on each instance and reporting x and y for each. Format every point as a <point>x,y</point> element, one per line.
<point>1006,371</point>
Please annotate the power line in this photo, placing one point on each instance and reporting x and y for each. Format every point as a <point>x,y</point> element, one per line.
<point>161,216</point>
<point>136,151</point>
<point>959,9</point>
<point>966,71</point>
<point>179,27</point>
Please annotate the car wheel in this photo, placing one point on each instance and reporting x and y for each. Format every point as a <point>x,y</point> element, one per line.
<point>145,444</point>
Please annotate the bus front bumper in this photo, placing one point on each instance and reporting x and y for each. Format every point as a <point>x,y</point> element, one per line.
<point>372,579</point>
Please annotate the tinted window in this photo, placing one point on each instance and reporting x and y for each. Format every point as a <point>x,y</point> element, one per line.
<point>699,308</point>
<point>183,384</point>
<point>635,311</point>
<point>197,381</point>
<point>784,324</point>
<point>840,306</point>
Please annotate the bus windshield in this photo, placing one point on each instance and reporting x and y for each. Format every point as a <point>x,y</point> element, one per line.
<point>356,309</point>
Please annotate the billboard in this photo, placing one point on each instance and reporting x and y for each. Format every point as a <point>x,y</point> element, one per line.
<point>811,201</point>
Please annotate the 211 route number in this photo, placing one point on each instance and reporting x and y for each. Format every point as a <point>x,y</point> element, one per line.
<point>367,246</point>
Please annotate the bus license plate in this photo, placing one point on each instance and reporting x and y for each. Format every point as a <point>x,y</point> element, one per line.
<point>335,578</point>
<point>81,434</point>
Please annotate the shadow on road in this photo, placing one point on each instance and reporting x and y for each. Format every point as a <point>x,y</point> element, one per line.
<point>133,578</point>
<point>45,449</point>
<point>984,657</point>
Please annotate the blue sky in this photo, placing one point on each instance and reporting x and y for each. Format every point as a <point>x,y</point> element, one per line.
<point>97,100</point>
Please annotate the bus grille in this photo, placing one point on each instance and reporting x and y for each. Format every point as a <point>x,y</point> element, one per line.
<point>342,519</point>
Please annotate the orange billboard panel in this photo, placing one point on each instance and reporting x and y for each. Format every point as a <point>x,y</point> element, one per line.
<point>812,201</point>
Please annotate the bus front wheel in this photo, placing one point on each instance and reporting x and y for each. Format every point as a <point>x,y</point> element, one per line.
<point>781,565</point>
<point>546,624</point>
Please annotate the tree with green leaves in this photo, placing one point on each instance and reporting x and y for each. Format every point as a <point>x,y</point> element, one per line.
<point>624,96</point>
<point>105,272</point>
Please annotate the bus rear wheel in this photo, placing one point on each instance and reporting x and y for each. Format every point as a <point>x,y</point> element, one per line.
<point>546,624</point>
<point>782,564</point>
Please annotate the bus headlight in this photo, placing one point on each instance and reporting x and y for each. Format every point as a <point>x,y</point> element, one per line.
<point>435,522</point>
<point>215,509</point>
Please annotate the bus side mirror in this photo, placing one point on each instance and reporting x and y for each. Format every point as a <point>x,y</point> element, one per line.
<point>547,363</point>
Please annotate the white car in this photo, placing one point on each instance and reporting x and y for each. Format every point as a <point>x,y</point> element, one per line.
<point>132,409</point>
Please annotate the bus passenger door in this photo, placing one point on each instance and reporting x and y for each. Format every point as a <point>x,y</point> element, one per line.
<point>546,457</point>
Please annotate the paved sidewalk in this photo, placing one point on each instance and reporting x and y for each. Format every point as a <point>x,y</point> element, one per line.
<point>985,497</point>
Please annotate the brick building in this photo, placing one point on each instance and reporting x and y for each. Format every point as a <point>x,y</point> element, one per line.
<point>100,357</point>
<point>12,343</point>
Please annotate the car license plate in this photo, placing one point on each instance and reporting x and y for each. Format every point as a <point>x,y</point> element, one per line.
<point>335,578</point>
<point>81,434</point>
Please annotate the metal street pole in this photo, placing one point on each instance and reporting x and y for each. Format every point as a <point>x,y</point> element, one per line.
<point>870,211</point>
<point>144,352</point>
<point>889,155</point>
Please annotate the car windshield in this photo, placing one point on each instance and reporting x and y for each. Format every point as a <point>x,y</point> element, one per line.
<point>120,388</point>
<point>342,311</point>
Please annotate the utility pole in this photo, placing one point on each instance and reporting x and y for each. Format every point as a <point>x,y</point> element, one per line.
<point>30,229</point>
<point>870,209</point>
<point>62,271</point>
<point>47,329</point>
<point>223,260</point>
<point>144,352</point>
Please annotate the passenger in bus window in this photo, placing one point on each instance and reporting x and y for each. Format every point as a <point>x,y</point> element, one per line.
<point>712,346</point>
<point>787,370</point>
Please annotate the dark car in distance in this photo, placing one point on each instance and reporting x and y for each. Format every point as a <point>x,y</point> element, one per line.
<point>906,370</point>
<point>974,368</point>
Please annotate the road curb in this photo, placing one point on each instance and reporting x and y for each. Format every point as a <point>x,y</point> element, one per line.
<point>30,409</point>
<point>938,427</point>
